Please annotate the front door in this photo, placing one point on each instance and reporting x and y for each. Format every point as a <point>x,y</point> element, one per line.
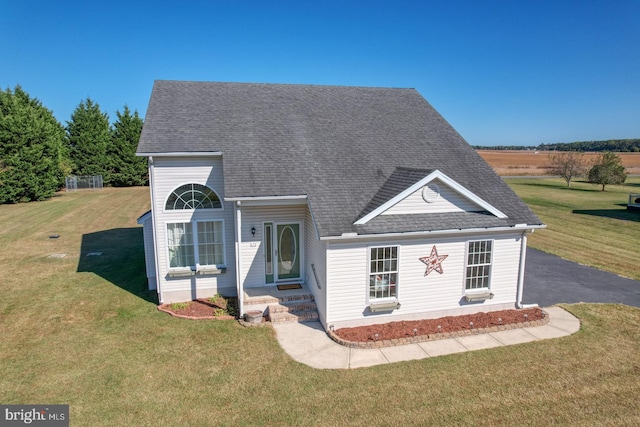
<point>287,251</point>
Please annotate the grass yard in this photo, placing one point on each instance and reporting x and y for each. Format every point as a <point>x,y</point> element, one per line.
<point>585,224</point>
<point>82,330</point>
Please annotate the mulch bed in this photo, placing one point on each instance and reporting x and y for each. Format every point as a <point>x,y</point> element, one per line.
<point>449,324</point>
<point>201,308</point>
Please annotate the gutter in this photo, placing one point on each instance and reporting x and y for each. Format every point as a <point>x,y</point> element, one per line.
<point>153,228</point>
<point>264,198</point>
<point>523,255</point>
<point>356,236</point>
<point>182,154</point>
<point>238,232</point>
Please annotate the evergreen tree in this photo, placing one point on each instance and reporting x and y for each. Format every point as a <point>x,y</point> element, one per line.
<point>33,159</point>
<point>607,169</point>
<point>88,136</point>
<point>126,169</point>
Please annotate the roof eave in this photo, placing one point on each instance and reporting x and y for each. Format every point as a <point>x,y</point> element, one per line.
<point>181,154</point>
<point>470,231</point>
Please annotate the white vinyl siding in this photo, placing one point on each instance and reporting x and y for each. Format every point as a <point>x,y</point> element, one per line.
<point>449,200</point>
<point>169,174</point>
<point>316,253</point>
<point>420,296</point>
<point>149,255</point>
<point>347,279</point>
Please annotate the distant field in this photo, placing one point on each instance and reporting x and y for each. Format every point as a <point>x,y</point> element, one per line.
<point>515,163</point>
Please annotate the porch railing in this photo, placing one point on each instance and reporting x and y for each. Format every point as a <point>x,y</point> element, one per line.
<point>315,274</point>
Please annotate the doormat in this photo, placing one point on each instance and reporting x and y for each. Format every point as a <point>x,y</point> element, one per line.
<point>289,286</point>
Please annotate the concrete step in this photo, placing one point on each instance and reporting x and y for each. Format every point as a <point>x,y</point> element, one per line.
<point>292,307</point>
<point>293,311</point>
<point>293,316</point>
<point>268,299</point>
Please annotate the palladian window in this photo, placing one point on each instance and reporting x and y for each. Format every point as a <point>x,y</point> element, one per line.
<point>193,196</point>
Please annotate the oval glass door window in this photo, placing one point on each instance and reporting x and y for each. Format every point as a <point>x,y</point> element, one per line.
<point>287,249</point>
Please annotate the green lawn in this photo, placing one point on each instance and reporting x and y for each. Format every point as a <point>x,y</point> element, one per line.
<point>82,330</point>
<point>585,224</point>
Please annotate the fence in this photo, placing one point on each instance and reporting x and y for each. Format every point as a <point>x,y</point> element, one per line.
<point>74,183</point>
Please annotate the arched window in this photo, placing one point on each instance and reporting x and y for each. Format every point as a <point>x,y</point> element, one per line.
<point>193,196</point>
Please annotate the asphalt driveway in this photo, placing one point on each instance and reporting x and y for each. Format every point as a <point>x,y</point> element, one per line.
<point>552,280</point>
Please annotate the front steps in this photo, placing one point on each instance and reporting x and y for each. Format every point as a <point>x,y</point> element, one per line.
<point>284,306</point>
<point>299,311</point>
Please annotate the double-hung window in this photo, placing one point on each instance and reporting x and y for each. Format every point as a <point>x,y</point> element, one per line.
<point>180,243</point>
<point>204,247</point>
<point>383,272</point>
<point>478,272</point>
<point>210,244</point>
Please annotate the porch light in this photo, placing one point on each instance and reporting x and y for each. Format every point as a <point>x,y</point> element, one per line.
<point>253,231</point>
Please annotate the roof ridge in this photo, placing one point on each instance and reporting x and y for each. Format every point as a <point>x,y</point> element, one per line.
<point>318,85</point>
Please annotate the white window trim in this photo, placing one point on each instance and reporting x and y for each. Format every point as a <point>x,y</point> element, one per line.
<point>263,245</point>
<point>197,268</point>
<point>482,290</point>
<point>397,271</point>
<point>164,204</point>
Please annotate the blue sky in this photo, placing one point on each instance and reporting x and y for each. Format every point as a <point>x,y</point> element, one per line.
<point>501,72</point>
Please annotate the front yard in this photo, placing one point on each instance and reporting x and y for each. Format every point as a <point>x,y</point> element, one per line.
<point>82,330</point>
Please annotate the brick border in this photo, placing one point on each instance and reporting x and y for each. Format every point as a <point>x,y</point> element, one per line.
<point>437,336</point>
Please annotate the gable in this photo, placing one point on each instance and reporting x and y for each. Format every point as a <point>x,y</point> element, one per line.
<point>435,193</point>
<point>434,197</point>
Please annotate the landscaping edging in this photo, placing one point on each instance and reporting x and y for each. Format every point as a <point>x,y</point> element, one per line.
<point>182,316</point>
<point>437,336</point>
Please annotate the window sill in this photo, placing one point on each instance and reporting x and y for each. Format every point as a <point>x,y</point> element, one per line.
<point>379,306</point>
<point>211,270</point>
<point>182,272</point>
<point>478,295</point>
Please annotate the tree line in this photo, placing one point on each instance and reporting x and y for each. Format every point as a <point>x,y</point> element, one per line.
<point>612,145</point>
<point>37,152</point>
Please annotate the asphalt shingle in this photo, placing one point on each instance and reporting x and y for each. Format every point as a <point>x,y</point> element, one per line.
<point>338,145</point>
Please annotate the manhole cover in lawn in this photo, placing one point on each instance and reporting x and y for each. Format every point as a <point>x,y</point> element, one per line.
<point>57,256</point>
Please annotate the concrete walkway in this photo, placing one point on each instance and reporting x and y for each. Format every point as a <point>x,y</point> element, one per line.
<point>308,343</point>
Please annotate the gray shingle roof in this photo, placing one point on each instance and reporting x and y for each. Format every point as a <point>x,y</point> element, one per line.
<point>338,145</point>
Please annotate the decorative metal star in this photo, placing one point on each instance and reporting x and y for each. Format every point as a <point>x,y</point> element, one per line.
<point>434,261</point>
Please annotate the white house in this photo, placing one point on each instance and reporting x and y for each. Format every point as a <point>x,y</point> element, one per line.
<point>365,199</point>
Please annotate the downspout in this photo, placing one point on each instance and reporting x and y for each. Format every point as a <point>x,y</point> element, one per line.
<point>153,228</point>
<point>523,256</point>
<point>238,218</point>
